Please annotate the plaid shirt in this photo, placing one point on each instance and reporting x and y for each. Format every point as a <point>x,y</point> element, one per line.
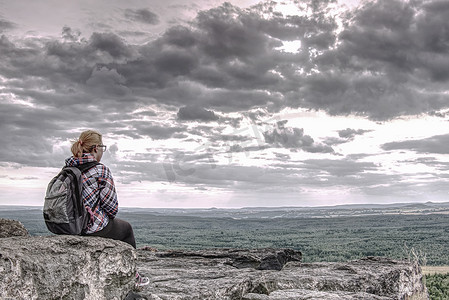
<point>98,186</point>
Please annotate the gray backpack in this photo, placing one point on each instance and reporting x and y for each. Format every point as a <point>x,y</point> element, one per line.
<point>64,210</point>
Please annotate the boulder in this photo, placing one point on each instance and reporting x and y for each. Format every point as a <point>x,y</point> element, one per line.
<point>10,228</point>
<point>237,274</point>
<point>65,267</point>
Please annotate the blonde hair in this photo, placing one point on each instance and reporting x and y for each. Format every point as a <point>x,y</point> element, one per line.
<point>86,142</point>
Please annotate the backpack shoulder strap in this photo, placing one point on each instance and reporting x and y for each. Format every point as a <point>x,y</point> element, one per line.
<point>75,173</point>
<point>83,169</point>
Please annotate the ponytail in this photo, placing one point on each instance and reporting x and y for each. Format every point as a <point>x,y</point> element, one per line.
<point>86,142</point>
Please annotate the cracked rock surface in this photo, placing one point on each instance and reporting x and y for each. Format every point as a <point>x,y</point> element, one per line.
<point>65,267</point>
<point>237,274</point>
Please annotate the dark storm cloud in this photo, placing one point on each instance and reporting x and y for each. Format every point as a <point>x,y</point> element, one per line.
<point>156,131</point>
<point>389,60</point>
<point>344,136</point>
<point>231,50</point>
<point>228,32</point>
<point>180,36</point>
<point>350,133</point>
<point>31,135</point>
<point>376,69</point>
<point>142,15</point>
<point>107,82</point>
<point>293,138</point>
<point>110,43</point>
<point>200,168</point>
<point>435,144</point>
<point>193,168</point>
<point>70,34</point>
<point>63,67</point>
<point>193,113</point>
<point>382,65</point>
<point>279,177</point>
<point>226,50</point>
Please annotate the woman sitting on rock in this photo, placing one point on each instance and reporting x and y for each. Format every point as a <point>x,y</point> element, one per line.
<point>99,194</point>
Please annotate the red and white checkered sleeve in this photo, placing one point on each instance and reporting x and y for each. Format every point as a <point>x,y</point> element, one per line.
<point>108,194</point>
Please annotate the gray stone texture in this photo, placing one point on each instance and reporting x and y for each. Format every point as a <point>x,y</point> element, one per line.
<point>65,267</point>
<point>10,228</point>
<point>213,274</point>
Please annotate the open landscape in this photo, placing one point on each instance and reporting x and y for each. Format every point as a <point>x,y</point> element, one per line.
<point>335,233</point>
<point>239,105</point>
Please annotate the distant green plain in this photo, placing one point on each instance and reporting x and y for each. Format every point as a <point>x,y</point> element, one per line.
<point>422,237</point>
<point>425,237</point>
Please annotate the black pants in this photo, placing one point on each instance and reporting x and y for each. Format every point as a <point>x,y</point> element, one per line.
<point>117,229</point>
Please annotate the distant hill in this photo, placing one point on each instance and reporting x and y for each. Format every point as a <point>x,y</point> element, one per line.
<point>277,212</point>
<point>300,211</point>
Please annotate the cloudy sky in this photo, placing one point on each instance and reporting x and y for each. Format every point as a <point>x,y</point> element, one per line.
<point>244,103</point>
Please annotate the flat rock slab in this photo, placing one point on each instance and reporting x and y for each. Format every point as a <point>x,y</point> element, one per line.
<point>65,267</point>
<point>260,259</point>
<point>214,274</point>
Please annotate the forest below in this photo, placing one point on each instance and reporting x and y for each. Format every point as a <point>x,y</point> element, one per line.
<point>323,235</point>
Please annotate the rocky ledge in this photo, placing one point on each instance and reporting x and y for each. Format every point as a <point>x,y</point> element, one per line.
<point>63,267</point>
<point>73,267</point>
<point>255,275</point>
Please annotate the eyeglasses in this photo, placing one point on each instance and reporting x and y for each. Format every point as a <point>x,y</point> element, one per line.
<point>102,147</point>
